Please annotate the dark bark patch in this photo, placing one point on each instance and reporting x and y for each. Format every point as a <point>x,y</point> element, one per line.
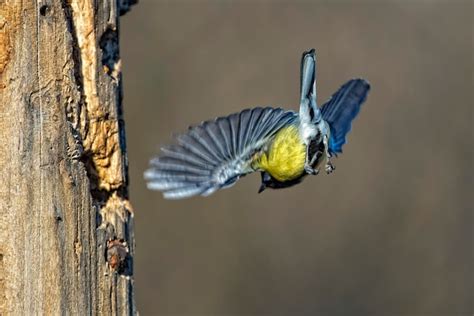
<point>44,10</point>
<point>118,256</point>
<point>110,52</point>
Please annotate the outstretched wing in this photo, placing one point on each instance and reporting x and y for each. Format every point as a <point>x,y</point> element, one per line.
<point>214,154</point>
<point>341,109</point>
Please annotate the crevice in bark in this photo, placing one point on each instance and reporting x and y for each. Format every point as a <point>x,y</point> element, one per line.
<point>44,9</point>
<point>87,156</point>
<point>76,54</point>
<point>118,257</point>
<point>110,53</point>
<point>73,111</point>
<point>99,137</point>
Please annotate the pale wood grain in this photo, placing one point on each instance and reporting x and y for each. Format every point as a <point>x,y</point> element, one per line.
<point>66,225</point>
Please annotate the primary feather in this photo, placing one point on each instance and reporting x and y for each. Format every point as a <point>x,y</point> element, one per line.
<point>216,153</point>
<point>341,109</point>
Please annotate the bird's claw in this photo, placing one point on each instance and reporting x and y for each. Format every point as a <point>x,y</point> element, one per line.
<point>330,167</point>
<point>311,170</point>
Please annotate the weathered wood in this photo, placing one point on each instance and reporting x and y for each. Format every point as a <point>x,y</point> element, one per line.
<point>66,226</point>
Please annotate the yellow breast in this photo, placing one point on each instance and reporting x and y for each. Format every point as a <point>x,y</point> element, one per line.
<point>286,155</point>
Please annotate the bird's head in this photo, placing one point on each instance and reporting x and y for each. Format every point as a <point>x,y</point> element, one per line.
<point>269,182</point>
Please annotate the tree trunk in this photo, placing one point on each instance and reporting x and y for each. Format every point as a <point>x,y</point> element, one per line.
<point>66,237</point>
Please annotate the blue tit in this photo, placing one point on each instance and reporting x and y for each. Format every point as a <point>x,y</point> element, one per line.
<point>283,145</point>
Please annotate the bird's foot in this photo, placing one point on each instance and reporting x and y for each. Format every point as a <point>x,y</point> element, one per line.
<point>329,167</point>
<point>311,170</point>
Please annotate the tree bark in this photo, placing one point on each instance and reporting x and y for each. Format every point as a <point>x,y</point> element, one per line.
<point>66,225</point>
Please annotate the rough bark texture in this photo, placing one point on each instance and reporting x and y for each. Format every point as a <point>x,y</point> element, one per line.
<point>66,237</point>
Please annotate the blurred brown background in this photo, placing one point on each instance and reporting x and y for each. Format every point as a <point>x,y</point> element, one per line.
<point>389,233</point>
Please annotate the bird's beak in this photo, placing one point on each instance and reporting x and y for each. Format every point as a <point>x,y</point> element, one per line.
<point>262,188</point>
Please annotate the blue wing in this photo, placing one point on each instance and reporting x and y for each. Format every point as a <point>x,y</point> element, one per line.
<point>341,109</point>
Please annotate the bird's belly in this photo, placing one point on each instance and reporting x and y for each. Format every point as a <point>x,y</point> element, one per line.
<point>286,156</point>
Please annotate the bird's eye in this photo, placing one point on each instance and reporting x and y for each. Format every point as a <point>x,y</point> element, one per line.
<point>267,177</point>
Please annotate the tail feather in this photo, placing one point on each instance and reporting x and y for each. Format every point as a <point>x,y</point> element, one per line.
<point>341,109</point>
<point>309,111</point>
<point>308,75</point>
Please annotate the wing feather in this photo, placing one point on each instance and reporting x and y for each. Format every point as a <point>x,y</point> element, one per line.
<point>341,109</point>
<point>244,118</point>
<point>199,133</point>
<point>181,153</point>
<point>194,147</point>
<point>183,192</point>
<point>234,126</point>
<point>214,154</point>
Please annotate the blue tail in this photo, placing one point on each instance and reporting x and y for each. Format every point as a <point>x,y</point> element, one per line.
<point>341,109</point>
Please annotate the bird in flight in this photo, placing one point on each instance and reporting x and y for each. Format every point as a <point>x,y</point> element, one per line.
<point>283,145</point>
